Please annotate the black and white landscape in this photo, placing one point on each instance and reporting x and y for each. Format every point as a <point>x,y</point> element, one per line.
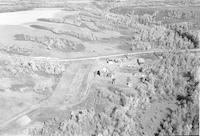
<point>99,67</point>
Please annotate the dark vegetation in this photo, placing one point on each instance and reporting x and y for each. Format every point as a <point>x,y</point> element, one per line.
<point>177,81</point>
<point>60,44</point>
<point>158,27</point>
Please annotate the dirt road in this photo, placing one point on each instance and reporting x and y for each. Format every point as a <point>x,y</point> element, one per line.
<point>108,56</point>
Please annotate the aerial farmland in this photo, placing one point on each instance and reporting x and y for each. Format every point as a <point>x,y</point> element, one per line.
<point>99,67</point>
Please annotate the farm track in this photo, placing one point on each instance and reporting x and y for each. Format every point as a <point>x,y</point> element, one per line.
<point>112,56</point>
<point>77,81</point>
<point>84,83</point>
<point>19,115</point>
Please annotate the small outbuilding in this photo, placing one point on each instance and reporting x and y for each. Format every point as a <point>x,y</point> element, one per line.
<point>140,61</point>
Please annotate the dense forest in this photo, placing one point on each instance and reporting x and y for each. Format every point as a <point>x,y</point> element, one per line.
<point>171,78</point>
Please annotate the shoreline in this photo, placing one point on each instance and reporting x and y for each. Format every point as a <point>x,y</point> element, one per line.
<point>30,6</point>
<point>26,9</point>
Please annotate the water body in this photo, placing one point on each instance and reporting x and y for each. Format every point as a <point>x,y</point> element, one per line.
<point>22,17</point>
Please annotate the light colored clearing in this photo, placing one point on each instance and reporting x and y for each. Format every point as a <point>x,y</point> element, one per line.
<point>73,86</point>
<point>22,17</point>
<point>31,108</point>
<point>23,121</point>
<point>5,83</point>
<point>63,86</point>
<point>80,86</point>
<point>10,107</point>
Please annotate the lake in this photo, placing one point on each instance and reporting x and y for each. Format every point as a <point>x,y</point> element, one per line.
<point>22,17</point>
